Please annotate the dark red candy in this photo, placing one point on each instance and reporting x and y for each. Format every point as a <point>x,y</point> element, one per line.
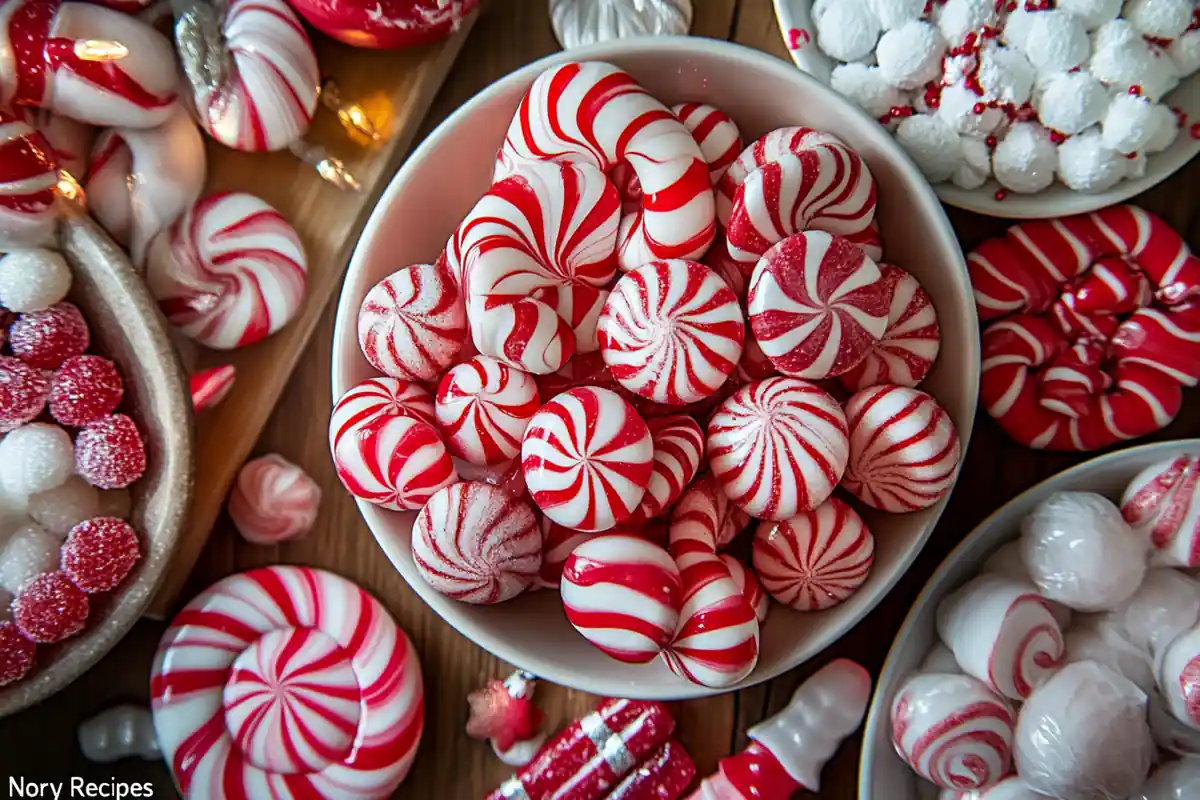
<point>99,553</point>
<point>23,391</point>
<point>109,453</point>
<point>84,389</point>
<point>16,654</point>
<point>49,337</point>
<point>50,608</point>
<point>7,318</point>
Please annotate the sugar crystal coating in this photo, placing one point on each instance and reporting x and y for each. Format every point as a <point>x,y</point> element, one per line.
<point>63,507</point>
<point>50,608</point>
<point>16,654</point>
<point>23,392</point>
<point>99,553</point>
<point>49,337</point>
<point>29,552</point>
<point>109,452</point>
<point>35,457</point>
<point>31,280</point>
<point>84,389</point>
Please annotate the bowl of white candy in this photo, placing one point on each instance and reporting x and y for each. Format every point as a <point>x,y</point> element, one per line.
<point>1016,108</point>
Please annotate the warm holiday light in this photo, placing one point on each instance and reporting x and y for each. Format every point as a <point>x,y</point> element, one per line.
<point>355,119</point>
<point>99,50</point>
<point>68,186</point>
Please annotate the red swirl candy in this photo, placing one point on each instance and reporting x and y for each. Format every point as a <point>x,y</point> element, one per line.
<point>376,398</point>
<point>84,389</point>
<point>910,344</point>
<point>678,450</point>
<point>50,608</point>
<point>412,323</point>
<point>99,553</point>
<point>109,453</point>
<point>49,337</point>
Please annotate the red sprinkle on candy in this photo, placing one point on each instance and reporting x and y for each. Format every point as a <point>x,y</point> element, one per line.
<point>109,453</point>
<point>49,337</point>
<point>1135,90</point>
<point>23,391</point>
<point>900,112</point>
<point>1000,194</point>
<point>991,142</point>
<point>1058,137</point>
<point>50,608</point>
<point>16,654</point>
<point>84,389</point>
<point>99,553</point>
<point>1196,131</point>
<point>1131,156</point>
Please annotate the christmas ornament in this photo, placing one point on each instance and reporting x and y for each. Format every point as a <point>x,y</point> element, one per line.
<point>385,24</point>
<point>582,22</point>
<point>503,713</point>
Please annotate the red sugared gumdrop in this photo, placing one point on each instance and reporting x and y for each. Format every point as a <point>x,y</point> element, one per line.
<point>50,608</point>
<point>99,553</point>
<point>48,338</point>
<point>109,453</point>
<point>16,654</point>
<point>23,391</point>
<point>84,389</point>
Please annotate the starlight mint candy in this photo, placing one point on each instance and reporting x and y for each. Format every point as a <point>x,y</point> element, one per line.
<point>412,324</point>
<point>393,461</point>
<point>483,408</point>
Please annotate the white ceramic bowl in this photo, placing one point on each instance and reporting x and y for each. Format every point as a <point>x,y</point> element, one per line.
<point>796,25</point>
<point>446,175</point>
<point>881,773</point>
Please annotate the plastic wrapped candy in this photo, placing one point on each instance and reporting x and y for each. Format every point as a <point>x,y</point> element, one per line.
<point>1164,606</point>
<point>1101,638</point>
<point>1082,735</point>
<point>1179,780</point>
<point>1081,553</point>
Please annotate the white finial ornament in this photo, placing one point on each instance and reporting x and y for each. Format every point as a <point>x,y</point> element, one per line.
<point>120,732</point>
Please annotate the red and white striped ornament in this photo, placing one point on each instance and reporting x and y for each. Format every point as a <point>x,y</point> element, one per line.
<point>396,462</point>
<point>749,585</point>
<point>623,594</point>
<point>476,543</point>
<point>587,457</point>
<point>715,131</point>
<point>678,450</point>
<point>28,177</point>
<point>816,559</point>
<point>671,331</point>
<point>375,399</point>
<point>816,305</point>
<point>483,408</point>
<point>778,447</point>
<point>716,643</point>
<point>209,387</point>
<point>905,353</point>
<point>413,323</point>
<point>904,449</point>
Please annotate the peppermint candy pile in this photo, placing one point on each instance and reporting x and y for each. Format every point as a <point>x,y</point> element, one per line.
<point>1071,663</point>
<point>67,456</point>
<point>630,350</point>
<point>1025,91</point>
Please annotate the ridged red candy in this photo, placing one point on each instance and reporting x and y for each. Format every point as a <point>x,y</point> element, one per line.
<point>16,654</point>
<point>49,337</point>
<point>84,389</point>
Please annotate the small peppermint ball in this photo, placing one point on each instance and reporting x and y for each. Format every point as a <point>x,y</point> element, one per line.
<point>958,109</point>
<point>847,30</point>
<point>932,144</point>
<point>911,56</point>
<point>864,86</point>
<point>976,167</point>
<point>1165,127</point>
<point>1024,160</point>
<point>1092,13</point>
<point>1006,75</point>
<point>1071,102</point>
<point>1129,123</point>
<point>1086,164</point>
<point>35,457</point>
<point>894,13</point>
<point>109,452</point>
<point>1056,41</point>
<point>31,280</point>
<point>1185,53</point>
<point>1160,19</point>
<point>957,18</point>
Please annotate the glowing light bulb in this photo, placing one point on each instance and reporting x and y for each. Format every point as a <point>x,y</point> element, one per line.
<point>100,50</point>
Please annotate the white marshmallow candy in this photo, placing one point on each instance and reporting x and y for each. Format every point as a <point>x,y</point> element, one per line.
<point>63,507</point>
<point>1128,124</point>
<point>28,553</point>
<point>864,86</point>
<point>911,56</point>
<point>1092,13</point>
<point>1016,26</point>
<point>1165,126</point>
<point>1071,102</point>
<point>1056,41</point>
<point>1098,638</point>
<point>932,144</point>
<point>976,166</point>
<point>894,13</point>
<point>1185,53</point>
<point>957,18</point>
<point>957,109</point>
<point>1086,164</point>
<point>36,457</point>
<point>31,280</point>
<point>847,30</point>
<point>1159,19</point>
<point>1025,158</point>
<point>1121,58</point>
<point>1006,75</point>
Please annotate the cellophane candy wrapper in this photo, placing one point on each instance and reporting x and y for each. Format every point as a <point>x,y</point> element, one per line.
<point>1177,780</point>
<point>1082,735</point>
<point>1081,553</point>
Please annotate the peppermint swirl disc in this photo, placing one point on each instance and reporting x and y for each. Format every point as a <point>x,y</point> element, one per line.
<point>412,323</point>
<point>377,398</point>
<point>678,450</point>
<point>910,343</point>
<point>671,331</point>
<point>587,457</point>
<point>483,408</point>
<point>715,131</point>
<point>27,213</point>
<point>286,682</point>
<point>395,462</point>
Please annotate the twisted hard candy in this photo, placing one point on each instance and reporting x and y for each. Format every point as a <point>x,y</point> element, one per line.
<point>413,323</point>
<point>374,400</point>
<point>716,133</point>
<point>483,408</point>
<point>747,581</point>
<point>905,353</point>
<point>678,449</point>
<point>703,521</point>
<point>716,642</point>
<point>393,461</point>
<point>273,500</point>
<point>27,191</point>
<point>1162,503</point>
<point>558,543</point>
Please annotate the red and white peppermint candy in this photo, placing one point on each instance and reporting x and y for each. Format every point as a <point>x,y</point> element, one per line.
<point>375,399</point>
<point>557,544</point>
<point>386,24</point>
<point>269,95</point>
<point>396,462</point>
<point>483,408</point>
<point>229,272</point>
<point>904,449</point>
<point>587,457</point>
<point>816,559</point>
<point>953,731</point>
<point>910,344</point>
<point>715,131</point>
<point>869,241</point>
<point>290,681</point>
<point>778,447</point>
<point>623,594</point>
<point>273,500</point>
<point>1178,678</point>
<point>735,275</point>
<point>678,450</point>
<point>209,387</point>
<point>750,586</point>
<point>754,364</point>
<point>1163,503</point>
<point>594,113</point>
<point>671,331</point>
<point>703,521</point>
<point>477,543</point>
<point>816,305</point>
<point>413,323</point>
<point>28,177</point>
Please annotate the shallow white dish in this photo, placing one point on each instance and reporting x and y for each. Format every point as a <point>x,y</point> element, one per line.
<point>879,766</point>
<point>800,37</point>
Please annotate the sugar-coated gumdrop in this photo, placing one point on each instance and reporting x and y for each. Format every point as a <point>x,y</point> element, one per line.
<point>1071,102</point>
<point>35,457</point>
<point>1128,124</point>
<point>1086,164</point>
<point>976,166</point>
<point>910,56</point>
<point>23,392</point>
<point>865,86</point>
<point>932,144</point>
<point>49,337</point>
<point>29,552</point>
<point>1092,13</point>
<point>16,654</point>
<point>50,608</point>
<point>959,108</point>
<point>1005,75</point>
<point>109,452</point>
<point>115,503</point>
<point>99,553</point>
<point>1164,127</point>
<point>894,13</point>
<point>847,30</point>
<point>1160,19</point>
<point>31,280</point>
<point>63,507</point>
<point>1056,41</point>
<point>84,389</point>
<point>957,18</point>
<point>1025,158</point>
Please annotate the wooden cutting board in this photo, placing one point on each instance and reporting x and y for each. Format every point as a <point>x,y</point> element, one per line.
<point>395,88</point>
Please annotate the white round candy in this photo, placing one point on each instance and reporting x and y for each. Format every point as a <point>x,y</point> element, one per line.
<point>976,166</point>
<point>1071,102</point>
<point>1160,19</point>
<point>957,109</point>
<point>910,56</point>
<point>932,144</point>
<point>894,13</point>
<point>36,457</point>
<point>1025,159</point>
<point>29,552</point>
<point>1092,13</point>
<point>1056,41</point>
<point>1165,126</point>
<point>1016,27</point>
<point>1086,164</point>
<point>847,30</point>
<point>864,86</point>
<point>1185,52</point>
<point>1128,124</point>
<point>1121,58</point>
<point>1099,638</point>
<point>63,507</point>
<point>957,18</point>
<point>1006,75</point>
<point>31,280</point>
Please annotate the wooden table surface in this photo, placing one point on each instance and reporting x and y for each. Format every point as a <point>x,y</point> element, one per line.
<point>40,743</point>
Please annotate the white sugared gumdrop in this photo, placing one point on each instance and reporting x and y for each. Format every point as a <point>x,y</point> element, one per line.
<point>1083,735</point>
<point>1160,19</point>
<point>1006,75</point>
<point>1016,27</point>
<point>1071,102</point>
<point>1128,124</point>
<point>28,553</point>
<point>1086,164</point>
<point>932,144</point>
<point>894,13</point>
<point>957,108</point>
<point>31,280</point>
<point>1164,606</point>
<point>847,30</point>
<point>1092,13</point>
<point>1081,553</point>
<point>36,457</point>
<point>63,507</point>
<point>976,166</point>
<point>1025,159</point>
<point>910,56</point>
<point>1185,52</point>
<point>1177,780</point>
<point>1056,41</point>
<point>1101,639</point>
<point>1165,127</point>
<point>957,18</point>
<point>1121,58</point>
<point>864,86</point>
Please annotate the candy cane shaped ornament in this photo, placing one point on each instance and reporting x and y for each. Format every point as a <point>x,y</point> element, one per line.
<point>28,177</point>
<point>287,682</point>
<point>594,113</point>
